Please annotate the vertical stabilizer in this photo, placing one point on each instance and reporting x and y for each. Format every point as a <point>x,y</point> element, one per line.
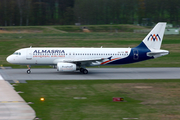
<point>154,39</point>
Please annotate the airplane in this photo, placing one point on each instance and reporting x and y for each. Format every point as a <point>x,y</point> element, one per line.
<point>73,59</point>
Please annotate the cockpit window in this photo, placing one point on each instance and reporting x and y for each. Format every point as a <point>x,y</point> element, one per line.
<point>17,53</point>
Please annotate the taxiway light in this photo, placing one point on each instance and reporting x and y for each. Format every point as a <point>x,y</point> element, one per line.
<point>42,99</point>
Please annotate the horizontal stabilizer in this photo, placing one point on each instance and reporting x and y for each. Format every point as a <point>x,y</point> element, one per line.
<point>157,53</point>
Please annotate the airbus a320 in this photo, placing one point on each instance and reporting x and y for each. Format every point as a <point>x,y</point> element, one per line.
<point>73,59</point>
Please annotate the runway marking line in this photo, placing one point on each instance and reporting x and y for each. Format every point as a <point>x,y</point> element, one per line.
<point>2,67</point>
<point>16,81</point>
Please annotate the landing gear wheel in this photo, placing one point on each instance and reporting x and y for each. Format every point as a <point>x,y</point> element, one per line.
<point>28,71</point>
<point>81,70</point>
<point>85,71</point>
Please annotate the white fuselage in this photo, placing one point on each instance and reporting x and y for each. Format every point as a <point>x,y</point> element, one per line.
<point>51,56</point>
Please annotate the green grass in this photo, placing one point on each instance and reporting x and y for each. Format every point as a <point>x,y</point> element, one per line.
<point>100,28</point>
<point>145,99</point>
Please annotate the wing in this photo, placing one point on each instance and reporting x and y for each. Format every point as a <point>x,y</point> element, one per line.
<point>86,62</point>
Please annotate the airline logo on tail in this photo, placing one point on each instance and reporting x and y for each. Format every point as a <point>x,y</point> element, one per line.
<point>154,37</point>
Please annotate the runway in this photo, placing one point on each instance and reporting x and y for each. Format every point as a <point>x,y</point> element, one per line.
<point>94,74</point>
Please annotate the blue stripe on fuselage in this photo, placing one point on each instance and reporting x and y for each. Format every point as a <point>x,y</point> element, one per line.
<point>137,54</point>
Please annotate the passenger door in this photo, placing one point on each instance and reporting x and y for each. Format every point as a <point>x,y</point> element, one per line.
<point>29,54</point>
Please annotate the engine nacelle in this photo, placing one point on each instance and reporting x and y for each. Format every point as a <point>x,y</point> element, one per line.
<point>66,67</point>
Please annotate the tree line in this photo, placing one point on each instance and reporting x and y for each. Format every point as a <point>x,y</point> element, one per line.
<point>68,12</point>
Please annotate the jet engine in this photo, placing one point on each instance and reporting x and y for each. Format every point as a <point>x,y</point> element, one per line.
<point>66,67</point>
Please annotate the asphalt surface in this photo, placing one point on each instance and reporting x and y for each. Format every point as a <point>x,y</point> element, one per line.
<point>17,75</point>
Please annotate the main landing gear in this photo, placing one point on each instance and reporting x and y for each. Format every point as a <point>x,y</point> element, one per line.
<point>29,69</point>
<point>83,70</point>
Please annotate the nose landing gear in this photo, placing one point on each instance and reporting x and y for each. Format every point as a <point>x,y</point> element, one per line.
<point>29,69</point>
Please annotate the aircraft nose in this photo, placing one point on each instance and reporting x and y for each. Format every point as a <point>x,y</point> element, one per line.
<point>9,59</point>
